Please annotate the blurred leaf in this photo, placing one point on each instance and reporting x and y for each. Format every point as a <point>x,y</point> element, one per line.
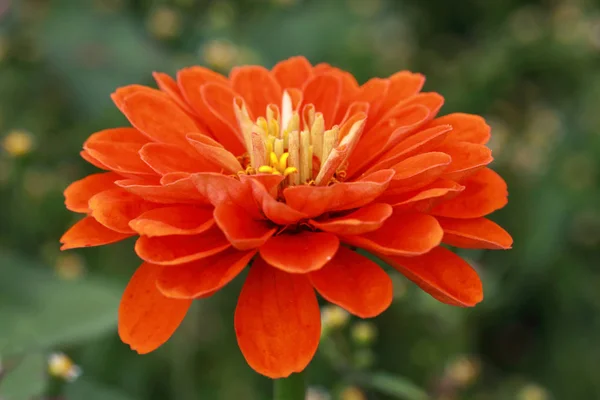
<point>40,310</point>
<point>392,385</point>
<point>26,380</point>
<point>83,389</point>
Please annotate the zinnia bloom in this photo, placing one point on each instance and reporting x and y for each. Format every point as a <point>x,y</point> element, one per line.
<point>296,171</point>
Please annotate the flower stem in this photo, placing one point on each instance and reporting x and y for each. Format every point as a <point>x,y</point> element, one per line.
<point>290,388</point>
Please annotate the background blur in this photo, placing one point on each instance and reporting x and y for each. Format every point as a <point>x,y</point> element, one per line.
<point>531,67</point>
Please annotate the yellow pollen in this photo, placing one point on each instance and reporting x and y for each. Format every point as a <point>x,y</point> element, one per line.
<point>278,165</point>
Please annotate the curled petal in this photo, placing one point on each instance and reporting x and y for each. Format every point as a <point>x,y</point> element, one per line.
<point>423,198</point>
<point>277,321</point>
<point>174,220</point>
<point>90,159</point>
<point>443,275</point>
<point>274,210</point>
<point>203,277</point>
<point>87,233</point>
<point>475,233</point>
<point>418,171</point>
<point>257,86</point>
<point>323,91</point>
<point>176,249</point>
<point>79,193</point>
<point>293,72</point>
<point>122,158</point>
<point>465,127</point>
<point>218,98</point>
<point>354,283</point>
<point>166,158</point>
<point>213,152</point>
<point>485,192</point>
<point>300,253</point>
<point>366,219</point>
<point>114,208</point>
<point>243,231</point>
<point>169,86</point>
<point>405,234</point>
<point>466,158</point>
<point>147,319</point>
<point>315,200</point>
<point>181,190</point>
<point>220,189</point>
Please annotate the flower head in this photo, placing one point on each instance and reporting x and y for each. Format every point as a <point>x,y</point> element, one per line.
<point>290,170</point>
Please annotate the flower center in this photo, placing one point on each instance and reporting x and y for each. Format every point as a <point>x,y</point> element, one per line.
<point>295,145</point>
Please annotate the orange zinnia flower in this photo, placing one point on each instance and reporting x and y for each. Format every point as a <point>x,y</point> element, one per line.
<point>289,170</point>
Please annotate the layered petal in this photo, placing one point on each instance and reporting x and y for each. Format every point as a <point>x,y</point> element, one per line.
<point>257,87</point>
<point>147,319</point>
<point>324,92</point>
<point>276,211</point>
<point>443,275</point>
<point>293,72</point>
<point>203,277</point>
<point>87,233</point>
<point>406,234</point>
<point>465,127</point>
<point>122,158</point>
<point>418,171</point>
<point>475,233</point>
<point>181,249</point>
<point>114,208</point>
<point>180,190</point>
<point>166,158</point>
<point>466,158</point>
<point>366,219</point>
<point>79,193</point>
<point>277,321</point>
<point>174,220</point>
<point>243,231</point>
<point>301,252</point>
<point>354,283</point>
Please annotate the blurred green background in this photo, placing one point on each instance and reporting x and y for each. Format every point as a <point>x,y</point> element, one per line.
<point>531,67</point>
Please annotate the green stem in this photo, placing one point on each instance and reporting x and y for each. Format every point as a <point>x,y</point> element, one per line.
<point>290,388</point>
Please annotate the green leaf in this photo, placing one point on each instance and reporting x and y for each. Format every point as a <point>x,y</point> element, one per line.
<point>26,379</point>
<point>39,310</point>
<point>392,385</point>
<point>90,390</point>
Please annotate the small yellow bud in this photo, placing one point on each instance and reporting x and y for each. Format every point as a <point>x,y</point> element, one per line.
<point>18,142</point>
<point>533,392</point>
<point>61,366</point>
<point>364,333</point>
<point>463,371</point>
<point>352,393</point>
<point>333,317</point>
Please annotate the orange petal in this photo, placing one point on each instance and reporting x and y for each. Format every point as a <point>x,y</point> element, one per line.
<point>213,152</point>
<point>418,171</point>
<point>433,101</point>
<point>277,321</point>
<point>175,220</point>
<point>315,200</point>
<point>443,275</point>
<point>121,135</point>
<point>276,211</point>
<point>373,92</point>
<point>243,231</point>
<point>159,118</point>
<point>87,157</point>
<point>403,84</point>
<point>147,319</point>
<point>403,234</point>
<point>123,92</point>
<point>324,92</point>
<point>363,220</point>
<point>181,190</point>
<point>485,193</point>
<point>87,233</point>
<point>438,189</point>
<point>79,193</point>
<point>219,101</point>
<point>203,277</point>
<point>169,86</point>
<point>219,189</point>
<point>465,127</point>
<point>165,158</point>
<point>300,253</point>
<point>178,249</point>
<point>354,283</point>
<point>293,72</point>
<point>476,233</point>
<point>122,158</point>
<point>257,86</point>
<point>114,208</point>
<point>466,158</point>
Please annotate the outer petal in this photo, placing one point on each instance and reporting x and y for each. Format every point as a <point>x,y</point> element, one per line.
<point>87,233</point>
<point>119,157</point>
<point>406,234</point>
<point>90,159</point>
<point>175,220</point>
<point>293,72</point>
<point>466,158</point>
<point>176,249</point>
<point>181,190</point>
<point>147,319</point>
<point>300,253</point>
<point>403,84</point>
<point>442,274</point>
<point>257,86</point>
<point>324,92</point>
<point>120,135</point>
<point>465,127</point>
<point>418,171</point>
<point>203,277</point>
<point>79,193</point>
<point>355,283</point>
<point>159,118</point>
<point>213,152</point>
<point>277,321</point>
<point>169,86</point>
<point>422,199</point>
<point>476,233</point>
<point>485,193</point>
<point>166,158</point>
<point>219,98</point>
<point>363,220</point>
<point>315,200</point>
<point>114,209</point>
<point>243,231</point>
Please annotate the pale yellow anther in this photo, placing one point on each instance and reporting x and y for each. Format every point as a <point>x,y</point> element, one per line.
<point>273,159</point>
<point>265,169</point>
<point>283,161</point>
<point>289,171</point>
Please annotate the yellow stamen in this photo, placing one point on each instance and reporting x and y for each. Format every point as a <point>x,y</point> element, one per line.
<point>274,160</point>
<point>265,169</point>
<point>289,170</point>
